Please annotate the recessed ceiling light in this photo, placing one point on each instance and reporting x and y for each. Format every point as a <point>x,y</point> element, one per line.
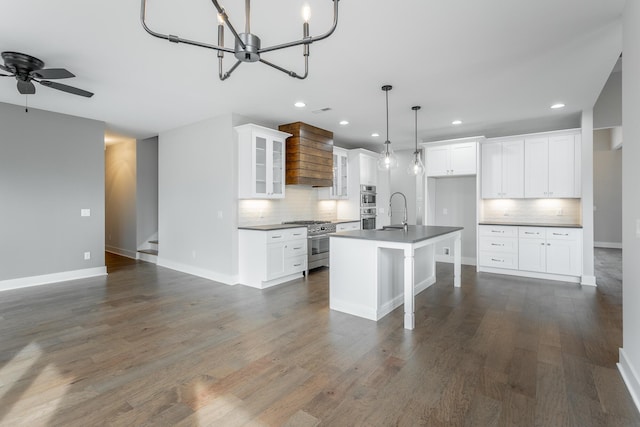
<point>456,122</point>
<point>300,104</point>
<point>558,105</point>
<point>375,134</point>
<point>344,122</point>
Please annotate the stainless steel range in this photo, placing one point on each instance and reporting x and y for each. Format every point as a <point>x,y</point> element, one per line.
<point>317,242</point>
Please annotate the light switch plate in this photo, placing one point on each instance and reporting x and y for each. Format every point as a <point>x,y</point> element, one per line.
<point>85,212</point>
<point>87,255</point>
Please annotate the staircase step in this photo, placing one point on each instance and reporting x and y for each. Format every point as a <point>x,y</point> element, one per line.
<point>155,242</point>
<point>149,251</point>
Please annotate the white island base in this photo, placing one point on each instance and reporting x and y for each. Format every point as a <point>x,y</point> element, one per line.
<point>373,271</point>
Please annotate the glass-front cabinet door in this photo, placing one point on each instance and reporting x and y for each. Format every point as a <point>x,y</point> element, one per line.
<point>260,167</point>
<point>261,162</point>
<point>277,167</point>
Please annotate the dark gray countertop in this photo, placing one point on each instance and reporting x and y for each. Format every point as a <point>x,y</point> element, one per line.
<point>416,233</point>
<point>530,224</point>
<point>270,227</point>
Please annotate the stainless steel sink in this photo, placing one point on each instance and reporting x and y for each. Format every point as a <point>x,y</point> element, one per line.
<point>392,227</point>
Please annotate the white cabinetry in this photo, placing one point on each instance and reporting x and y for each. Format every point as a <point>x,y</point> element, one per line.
<point>551,166</point>
<point>340,187</point>
<point>368,169</point>
<point>348,226</point>
<point>261,157</point>
<point>502,169</point>
<point>451,159</point>
<point>272,257</point>
<point>498,246</point>
<point>543,252</point>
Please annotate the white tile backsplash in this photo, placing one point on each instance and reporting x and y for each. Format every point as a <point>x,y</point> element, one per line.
<point>546,211</point>
<point>300,203</point>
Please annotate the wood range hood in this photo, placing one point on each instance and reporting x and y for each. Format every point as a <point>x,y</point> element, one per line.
<point>309,155</point>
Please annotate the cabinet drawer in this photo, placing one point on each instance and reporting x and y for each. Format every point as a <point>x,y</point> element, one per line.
<point>499,244</point>
<point>499,230</point>
<point>563,233</point>
<point>286,234</point>
<point>499,260</point>
<point>348,226</point>
<point>295,264</point>
<point>532,232</point>
<point>295,248</point>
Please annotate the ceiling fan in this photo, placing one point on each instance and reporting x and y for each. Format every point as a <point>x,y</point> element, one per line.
<point>28,69</point>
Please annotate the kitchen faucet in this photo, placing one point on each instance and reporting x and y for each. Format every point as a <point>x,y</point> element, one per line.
<point>405,226</point>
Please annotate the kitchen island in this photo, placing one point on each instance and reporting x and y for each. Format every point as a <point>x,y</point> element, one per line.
<point>374,271</point>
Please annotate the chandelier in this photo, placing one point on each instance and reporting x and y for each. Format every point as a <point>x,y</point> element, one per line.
<point>247,45</point>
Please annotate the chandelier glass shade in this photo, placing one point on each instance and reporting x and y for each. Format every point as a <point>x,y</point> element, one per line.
<point>247,46</point>
<point>416,167</point>
<point>387,159</point>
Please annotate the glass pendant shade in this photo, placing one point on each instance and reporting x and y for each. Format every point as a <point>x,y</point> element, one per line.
<point>416,168</point>
<point>387,159</point>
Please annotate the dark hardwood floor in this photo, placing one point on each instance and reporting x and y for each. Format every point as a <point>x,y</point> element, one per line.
<point>151,346</point>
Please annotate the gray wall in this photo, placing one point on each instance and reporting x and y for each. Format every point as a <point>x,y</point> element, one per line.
<point>607,190</point>
<point>51,167</point>
<point>607,112</point>
<point>198,199</point>
<point>120,198</point>
<point>146,189</point>
<point>458,196</point>
<point>630,193</point>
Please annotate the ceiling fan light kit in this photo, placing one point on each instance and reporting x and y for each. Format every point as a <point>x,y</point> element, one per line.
<point>247,46</point>
<point>28,69</point>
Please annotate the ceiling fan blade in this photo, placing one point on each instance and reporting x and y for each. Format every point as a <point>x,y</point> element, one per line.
<point>7,69</point>
<point>26,88</point>
<point>53,73</point>
<point>65,88</point>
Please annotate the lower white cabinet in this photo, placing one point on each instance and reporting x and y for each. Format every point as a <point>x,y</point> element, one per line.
<point>268,258</point>
<point>348,226</point>
<point>548,252</point>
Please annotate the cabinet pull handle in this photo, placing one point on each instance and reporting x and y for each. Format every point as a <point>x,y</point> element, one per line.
<point>297,234</point>
<point>276,237</point>
<point>497,244</point>
<point>529,232</point>
<point>560,234</point>
<point>497,260</point>
<point>297,265</point>
<point>542,244</point>
<point>497,231</point>
<point>299,247</point>
<point>548,244</point>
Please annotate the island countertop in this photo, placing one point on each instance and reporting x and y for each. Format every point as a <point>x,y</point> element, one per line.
<point>415,233</point>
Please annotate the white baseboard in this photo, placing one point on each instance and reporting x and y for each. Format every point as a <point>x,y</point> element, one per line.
<point>449,259</point>
<point>531,274</point>
<point>609,245</point>
<point>588,281</point>
<point>121,252</point>
<point>630,377</point>
<point>45,279</point>
<point>197,271</point>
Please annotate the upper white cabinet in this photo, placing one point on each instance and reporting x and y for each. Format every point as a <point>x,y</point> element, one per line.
<point>339,190</point>
<point>502,169</point>
<point>368,169</point>
<point>552,165</point>
<point>451,159</point>
<point>261,158</point>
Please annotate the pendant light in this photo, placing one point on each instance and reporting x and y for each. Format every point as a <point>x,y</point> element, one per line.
<point>416,167</point>
<point>387,158</point>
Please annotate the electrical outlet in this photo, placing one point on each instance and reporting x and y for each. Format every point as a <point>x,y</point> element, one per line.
<point>87,255</point>
<point>559,212</point>
<point>85,212</point>
<point>446,251</point>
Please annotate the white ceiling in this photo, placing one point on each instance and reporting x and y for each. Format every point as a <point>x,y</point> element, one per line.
<point>497,65</point>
